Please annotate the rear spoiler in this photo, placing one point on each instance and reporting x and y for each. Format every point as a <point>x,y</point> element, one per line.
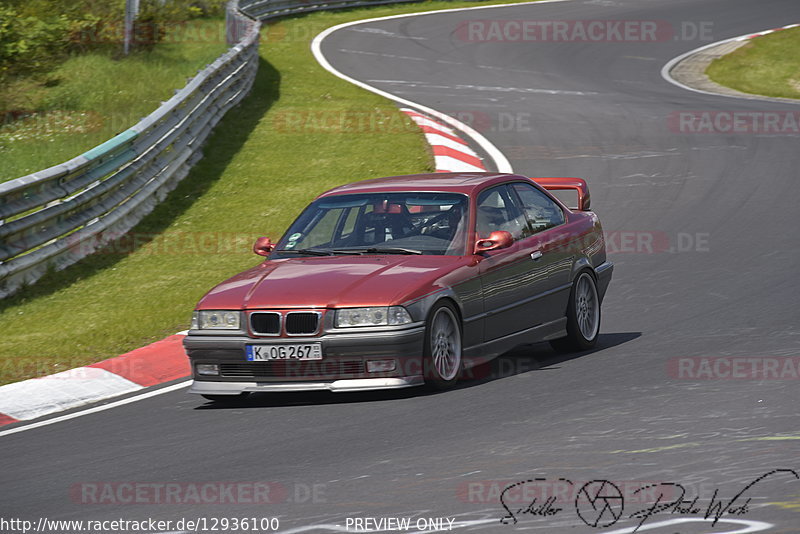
<point>577,185</point>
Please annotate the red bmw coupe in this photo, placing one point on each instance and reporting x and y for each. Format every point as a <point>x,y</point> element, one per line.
<point>403,281</point>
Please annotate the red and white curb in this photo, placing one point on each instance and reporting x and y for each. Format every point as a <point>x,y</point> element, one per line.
<point>450,152</point>
<point>165,360</point>
<point>157,363</point>
<point>766,32</point>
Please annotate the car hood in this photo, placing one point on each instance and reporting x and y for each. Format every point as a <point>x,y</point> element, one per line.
<point>332,281</point>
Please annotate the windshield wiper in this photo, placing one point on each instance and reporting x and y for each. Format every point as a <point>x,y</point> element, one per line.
<point>320,251</point>
<point>376,250</point>
<point>355,251</point>
<point>309,251</point>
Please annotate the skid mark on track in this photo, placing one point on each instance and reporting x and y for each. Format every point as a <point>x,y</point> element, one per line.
<point>659,449</point>
<point>771,438</point>
<point>788,505</point>
<point>386,33</point>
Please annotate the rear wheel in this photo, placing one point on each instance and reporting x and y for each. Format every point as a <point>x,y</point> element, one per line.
<point>583,316</point>
<point>442,358</point>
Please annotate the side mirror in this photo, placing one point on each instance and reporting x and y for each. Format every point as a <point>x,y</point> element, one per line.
<point>496,240</point>
<point>263,246</point>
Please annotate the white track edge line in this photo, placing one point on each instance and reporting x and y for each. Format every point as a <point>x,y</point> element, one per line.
<point>665,70</point>
<point>501,162</point>
<point>96,409</point>
<point>749,525</point>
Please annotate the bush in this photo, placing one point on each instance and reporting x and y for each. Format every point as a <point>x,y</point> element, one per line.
<point>28,43</point>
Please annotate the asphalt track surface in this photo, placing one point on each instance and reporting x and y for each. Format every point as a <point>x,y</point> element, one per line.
<point>596,110</point>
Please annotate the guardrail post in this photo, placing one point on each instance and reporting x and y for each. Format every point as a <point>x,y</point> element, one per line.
<point>131,12</point>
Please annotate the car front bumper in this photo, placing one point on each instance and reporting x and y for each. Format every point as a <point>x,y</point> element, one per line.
<point>204,387</point>
<point>343,367</point>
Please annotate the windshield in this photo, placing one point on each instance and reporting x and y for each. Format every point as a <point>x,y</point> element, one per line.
<point>379,223</point>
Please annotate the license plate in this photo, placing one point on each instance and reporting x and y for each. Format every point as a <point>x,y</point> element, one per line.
<point>285,351</point>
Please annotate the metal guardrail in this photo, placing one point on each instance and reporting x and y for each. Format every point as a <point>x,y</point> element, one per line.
<point>53,218</point>
<point>267,9</point>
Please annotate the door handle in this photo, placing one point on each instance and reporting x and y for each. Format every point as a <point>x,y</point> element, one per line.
<point>536,255</point>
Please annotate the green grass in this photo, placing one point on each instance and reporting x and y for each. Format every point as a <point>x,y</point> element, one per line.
<point>91,97</point>
<point>767,65</point>
<point>265,161</point>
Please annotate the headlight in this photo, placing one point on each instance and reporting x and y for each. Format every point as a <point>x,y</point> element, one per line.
<point>216,320</point>
<point>377,316</point>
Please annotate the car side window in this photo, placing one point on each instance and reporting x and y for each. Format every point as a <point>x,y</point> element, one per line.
<point>497,211</point>
<point>540,210</point>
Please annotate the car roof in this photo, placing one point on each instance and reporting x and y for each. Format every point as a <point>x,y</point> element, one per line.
<point>454,182</point>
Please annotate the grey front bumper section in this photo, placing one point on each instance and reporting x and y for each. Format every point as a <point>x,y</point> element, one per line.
<point>338,386</point>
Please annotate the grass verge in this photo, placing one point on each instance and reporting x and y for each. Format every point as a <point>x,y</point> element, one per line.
<point>46,119</point>
<point>767,65</point>
<point>300,131</point>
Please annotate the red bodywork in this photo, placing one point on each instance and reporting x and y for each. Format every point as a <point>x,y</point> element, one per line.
<point>374,280</point>
<point>332,282</point>
<point>500,291</point>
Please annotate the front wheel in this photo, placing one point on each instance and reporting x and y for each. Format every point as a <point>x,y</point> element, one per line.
<point>583,316</point>
<point>442,357</point>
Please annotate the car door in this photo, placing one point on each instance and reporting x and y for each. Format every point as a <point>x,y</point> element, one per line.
<point>512,278</point>
<point>546,236</point>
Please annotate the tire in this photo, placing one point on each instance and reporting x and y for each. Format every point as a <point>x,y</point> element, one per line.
<point>226,399</point>
<point>442,362</point>
<point>583,316</point>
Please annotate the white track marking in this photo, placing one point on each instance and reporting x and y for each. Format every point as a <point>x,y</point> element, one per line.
<point>37,397</point>
<point>424,121</point>
<point>484,88</point>
<point>449,164</point>
<point>392,56</point>
<point>501,162</point>
<point>436,139</point>
<point>748,525</point>
<point>96,409</point>
<point>499,158</point>
<point>384,33</point>
<point>528,90</point>
<point>341,528</point>
<point>674,61</point>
